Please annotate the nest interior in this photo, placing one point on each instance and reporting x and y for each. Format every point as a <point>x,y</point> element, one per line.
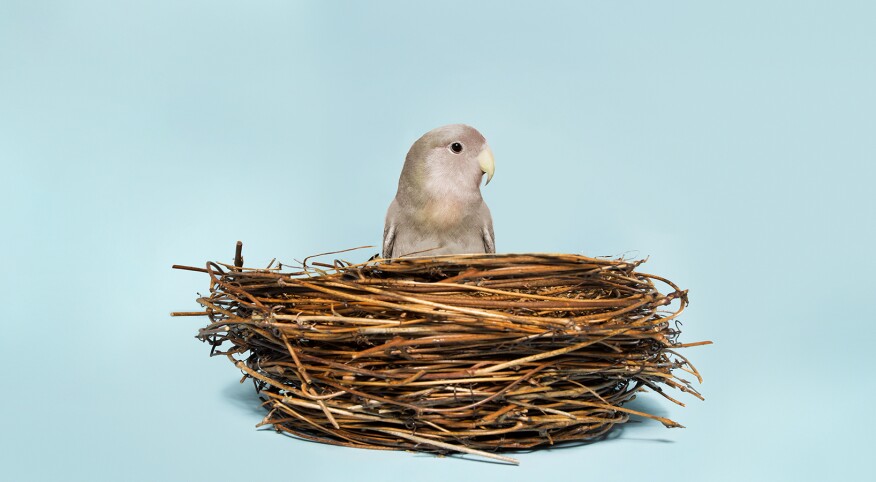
<point>467,353</point>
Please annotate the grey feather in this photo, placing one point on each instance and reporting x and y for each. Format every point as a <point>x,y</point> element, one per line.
<point>389,229</point>
<point>438,208</point>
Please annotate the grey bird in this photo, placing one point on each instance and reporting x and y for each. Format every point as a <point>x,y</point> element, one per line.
<point>438,208</point>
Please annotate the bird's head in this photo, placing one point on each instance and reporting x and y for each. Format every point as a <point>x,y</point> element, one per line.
<point>451,156</point>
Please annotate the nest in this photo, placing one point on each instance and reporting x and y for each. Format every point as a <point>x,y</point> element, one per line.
<point>465,353</point>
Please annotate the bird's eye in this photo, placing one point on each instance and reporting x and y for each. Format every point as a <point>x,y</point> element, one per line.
<point>456,147</point>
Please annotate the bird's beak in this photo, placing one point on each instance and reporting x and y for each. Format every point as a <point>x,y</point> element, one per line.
<point>488,165</point>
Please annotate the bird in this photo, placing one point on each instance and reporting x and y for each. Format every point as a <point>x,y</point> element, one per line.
<point>438,208</point>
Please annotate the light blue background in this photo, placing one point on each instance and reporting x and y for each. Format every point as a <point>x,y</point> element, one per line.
<point>732,142</point>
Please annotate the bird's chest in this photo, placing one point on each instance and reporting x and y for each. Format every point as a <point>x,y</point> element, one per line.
<point>443,213</point>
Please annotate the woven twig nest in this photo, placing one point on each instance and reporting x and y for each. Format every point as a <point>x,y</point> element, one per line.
<point>469,353</point>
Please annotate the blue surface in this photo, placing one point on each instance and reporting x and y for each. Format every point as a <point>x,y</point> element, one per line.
<point>732,143</point>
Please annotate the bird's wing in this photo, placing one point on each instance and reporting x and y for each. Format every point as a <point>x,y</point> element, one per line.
<point>489,240</point>
<point>487,230</point>
<point>389,229</point>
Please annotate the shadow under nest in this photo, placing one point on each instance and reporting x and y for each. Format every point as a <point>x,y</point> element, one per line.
<point>461,353</point>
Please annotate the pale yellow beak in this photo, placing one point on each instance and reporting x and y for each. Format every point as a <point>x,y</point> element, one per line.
<point>488,165</point>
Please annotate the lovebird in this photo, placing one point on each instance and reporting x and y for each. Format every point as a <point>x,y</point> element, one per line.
<point>438,208</point>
